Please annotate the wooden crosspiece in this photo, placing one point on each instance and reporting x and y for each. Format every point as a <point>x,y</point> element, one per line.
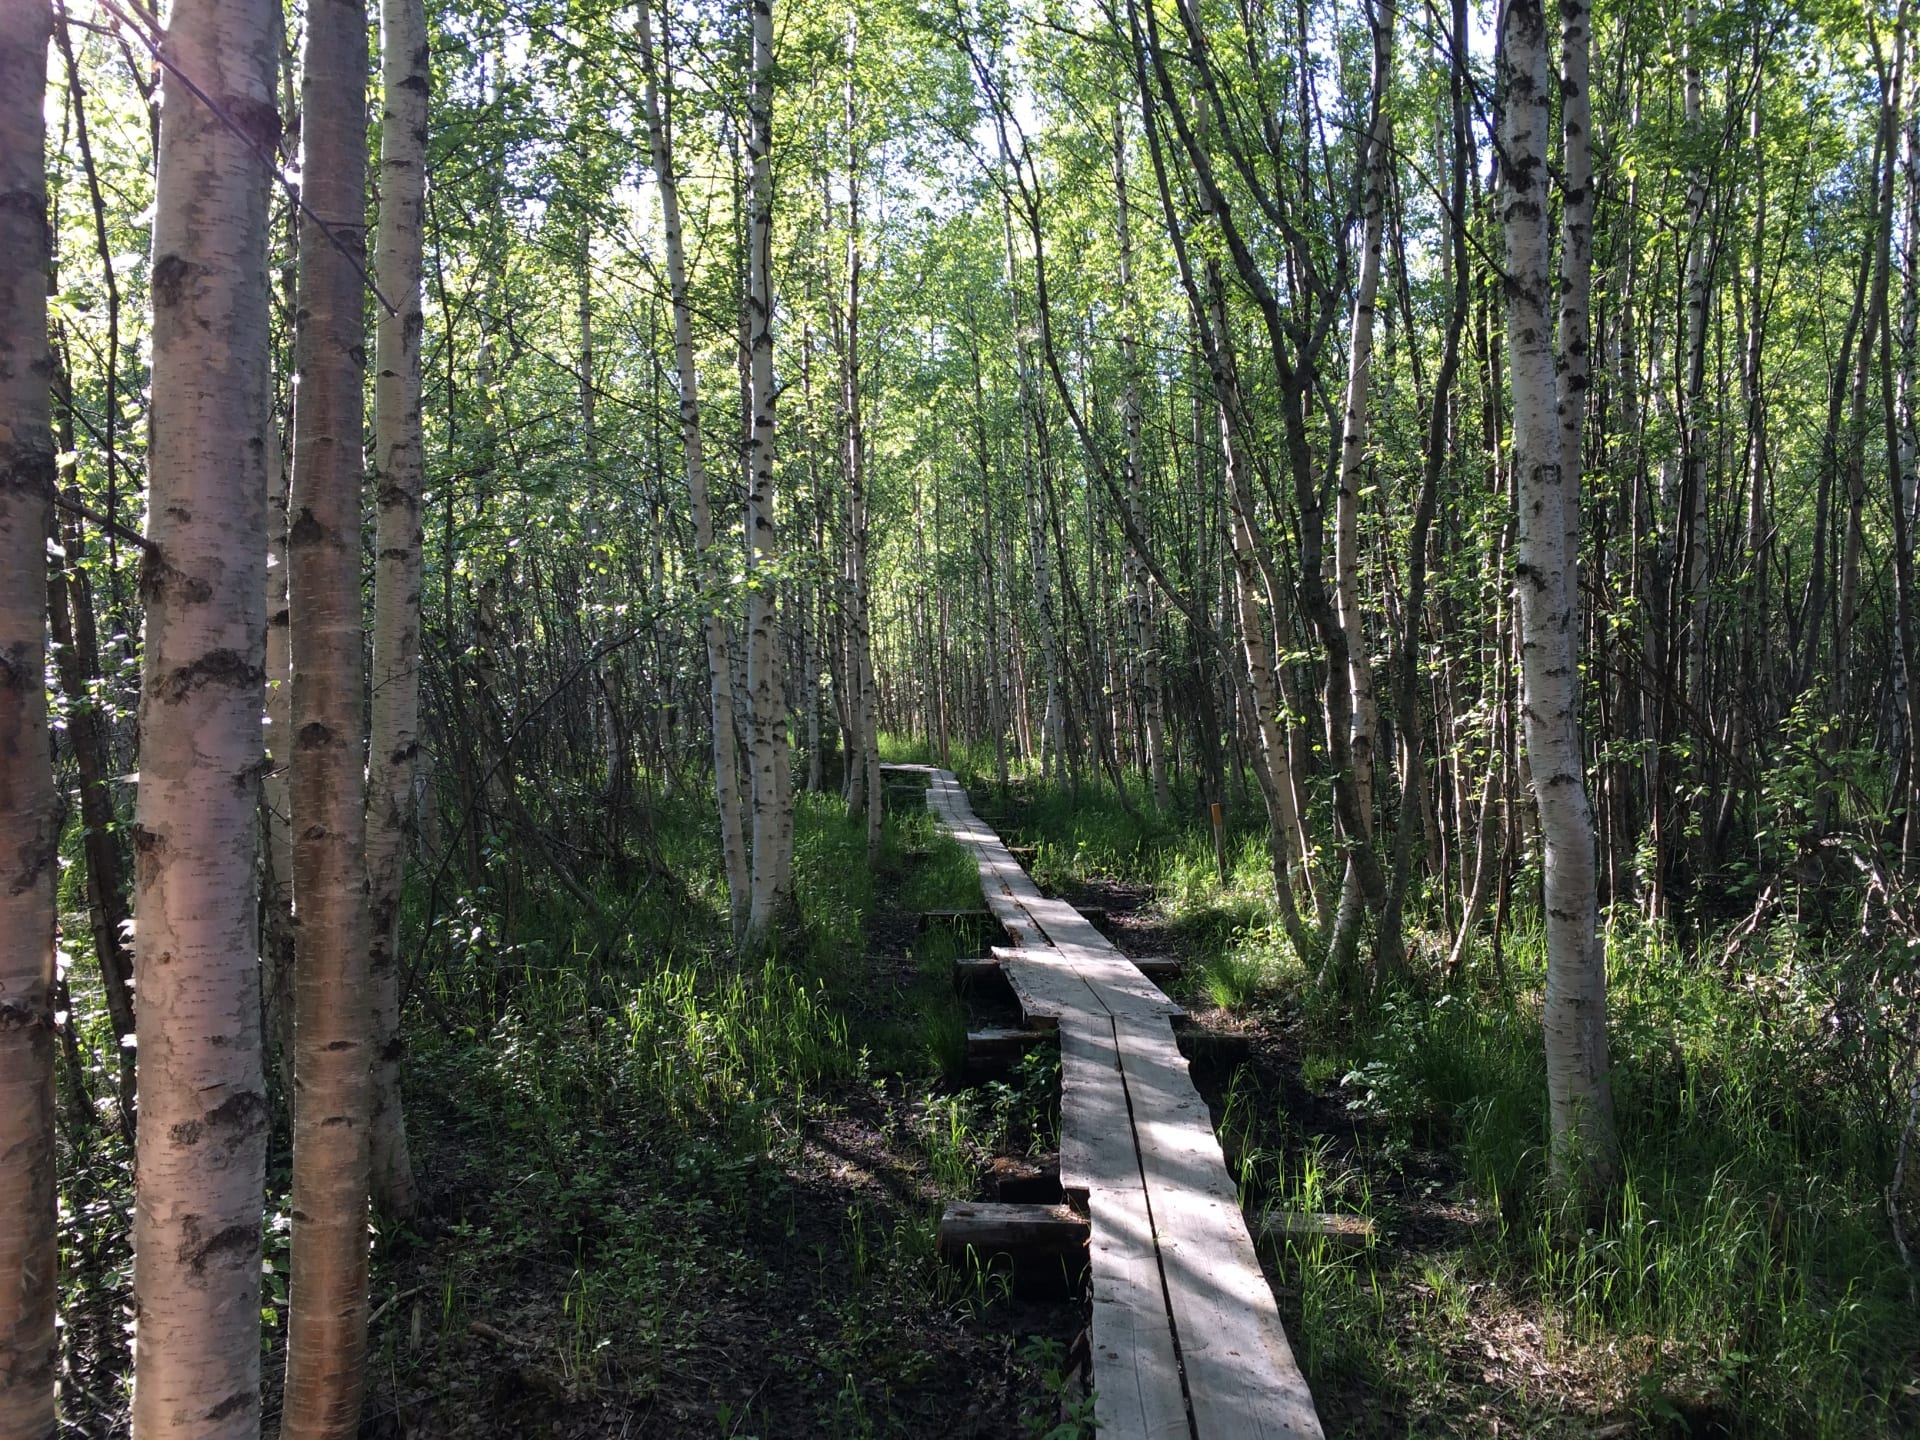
<point>1187,1340</point>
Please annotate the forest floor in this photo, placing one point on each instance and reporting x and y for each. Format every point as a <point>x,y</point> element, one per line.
<point>673,1282</point>
<point>666,1195</point>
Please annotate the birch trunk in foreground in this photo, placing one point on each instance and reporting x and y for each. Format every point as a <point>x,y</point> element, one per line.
<point>772,765</point>
<point>201,1156</point>
<point>393,749</point>
<point>1584,1150</point>
<point>726,771</point>
<point>332,1069</point>
<point>29,805</point>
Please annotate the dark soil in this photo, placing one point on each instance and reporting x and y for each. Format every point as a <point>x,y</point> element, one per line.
<point>786,1295</point>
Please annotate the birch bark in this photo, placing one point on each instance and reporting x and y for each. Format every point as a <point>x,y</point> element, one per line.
<point>771,891</point>
<point>393,749</point>
<point>1584,1153</point>
<point>333,1004</point>
<point>29,804</point>
<point>202,1146</point>
<point>726,745</point>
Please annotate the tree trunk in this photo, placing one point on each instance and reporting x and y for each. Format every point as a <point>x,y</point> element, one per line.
<point>859,619</point>
<point>333,1003</point>
<point>276,959</point>
<point>1139,598</point>
<point>29,803</point>
<point>202,1149</point>
<point>399,458</point>
<point>77,664</point>
<point>772,765</point>
<point>1364,711</point>
<point>1584,1155</point>
<point>712,572</point>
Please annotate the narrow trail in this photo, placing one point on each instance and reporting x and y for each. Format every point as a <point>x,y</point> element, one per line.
<point>1187,1342</point>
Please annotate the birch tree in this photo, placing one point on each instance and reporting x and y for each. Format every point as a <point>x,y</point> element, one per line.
<point>202,1145</point>
<point>29,805</point>
<point>394,725</point>
<point>712,574</point>
<point>1584,1151</point>
<point>772,766</point>
<point>333,1056</point>
<point>1365,720</point>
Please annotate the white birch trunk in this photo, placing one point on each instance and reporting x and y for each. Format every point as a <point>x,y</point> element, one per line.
<point>394,730</point>
<point>771,891</point>
<point>726,774</point>
<point>202,1146</point>
<point>333,1026</point>
<point>1365,712</point>
<point>29,804</point>
<point>1584,1153</point>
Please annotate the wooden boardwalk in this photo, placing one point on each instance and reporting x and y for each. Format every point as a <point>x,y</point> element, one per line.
<point>1187,1341</point>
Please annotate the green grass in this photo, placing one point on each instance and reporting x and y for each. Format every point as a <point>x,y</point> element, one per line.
<point>1745,1271</point>
<point>1745,1276</point>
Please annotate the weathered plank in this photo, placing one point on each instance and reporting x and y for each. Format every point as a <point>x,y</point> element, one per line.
<point>1340,1232</point>
<point>1241,1375</point>
<point>1186,1340</point>
<point>1024,1234</point>
<point>1136,1369</point>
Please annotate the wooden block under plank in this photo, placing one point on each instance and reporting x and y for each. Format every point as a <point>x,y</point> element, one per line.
<point>1341,1232</point>
<point>1023,1233</point>
<point>997,1048</point>
<point>974,974</point>
<point>930,918</point>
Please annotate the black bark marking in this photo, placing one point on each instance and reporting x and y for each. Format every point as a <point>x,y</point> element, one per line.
<point>172,274</point>
<point>234,1404</point>
<point>217,667</point>
<point>234,1238</point>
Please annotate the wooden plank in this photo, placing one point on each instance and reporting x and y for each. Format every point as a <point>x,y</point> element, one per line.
<point>1119,988</point>
<point>972,974</point>
<point>1186,1338</point>
<point>1154,967</point>
<point>1136,1371</point>
<point>1023,1233</point>
<point>1241,1374</point>
<point>997,1042</point>
<point>1341,1232</point>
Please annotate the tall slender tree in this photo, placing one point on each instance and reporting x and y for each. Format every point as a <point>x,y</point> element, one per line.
<point>29,805</point>
<point>333,1054</point>
<point>1584,1152</point>
<point>394,727</point>
<point>709,567</point>
<point>202,1145</point>
<point>772,763</point>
